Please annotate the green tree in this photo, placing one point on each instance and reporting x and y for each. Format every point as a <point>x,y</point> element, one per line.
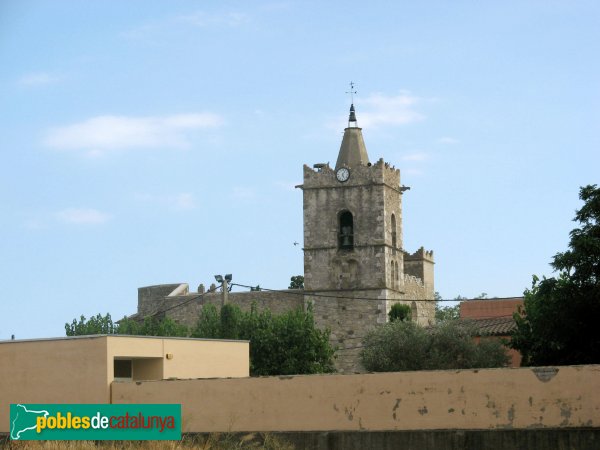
<point>286,344</point>
<point>444,313</point>
<point>558,324</point>
<point>404,345</point>
<point>208,324</point>
<point>399,311</point>
<point>97,324</point>
<point>150,326</point>
<point>296,282</point>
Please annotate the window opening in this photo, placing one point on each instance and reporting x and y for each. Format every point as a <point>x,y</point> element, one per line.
<point>346,233</point>
<point>123,369</point>
<point>393,233</point>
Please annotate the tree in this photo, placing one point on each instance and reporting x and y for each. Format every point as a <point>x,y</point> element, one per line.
<point>444,313</point>
<point>404,345</point>
<point>286,344</point>
<point>399,311</point>
<point>97,324</point>
<point>558,324</point>
<point>150,326</point>
<point>297,282</point>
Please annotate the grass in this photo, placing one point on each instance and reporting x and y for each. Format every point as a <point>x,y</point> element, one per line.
<point>213,441</point>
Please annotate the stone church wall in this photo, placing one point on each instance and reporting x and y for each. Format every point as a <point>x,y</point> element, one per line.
<point>185,309</point>
<point>349,315</point>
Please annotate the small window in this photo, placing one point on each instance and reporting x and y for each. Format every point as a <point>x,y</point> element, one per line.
<point>393,233</point>
<point>346,233</point>
<point>393,274</point>
<point>123,369</point>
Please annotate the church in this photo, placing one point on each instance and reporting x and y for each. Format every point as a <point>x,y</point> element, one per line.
<point>355,266</point>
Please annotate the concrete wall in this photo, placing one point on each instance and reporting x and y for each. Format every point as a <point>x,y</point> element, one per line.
<point>188,358</point>
<point>53,371</point>
<point>81,369</point>
<point>206,359</point>
<point>501,399</point>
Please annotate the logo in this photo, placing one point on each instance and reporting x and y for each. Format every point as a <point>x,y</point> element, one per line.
<point>95,422</point>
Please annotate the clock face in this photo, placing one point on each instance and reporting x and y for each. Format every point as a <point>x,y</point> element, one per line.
<point>342,174</point>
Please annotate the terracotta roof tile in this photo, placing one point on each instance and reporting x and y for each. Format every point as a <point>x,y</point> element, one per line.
<point>492,326</point>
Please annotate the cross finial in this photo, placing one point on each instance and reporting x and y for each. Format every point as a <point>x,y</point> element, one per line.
<point>352,91</point>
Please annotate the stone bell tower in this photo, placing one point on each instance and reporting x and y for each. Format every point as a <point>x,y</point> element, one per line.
<point>352,221</point>
<point>353,254</point>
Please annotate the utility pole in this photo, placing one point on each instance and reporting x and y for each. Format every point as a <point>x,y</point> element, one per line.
<point>225,287</point>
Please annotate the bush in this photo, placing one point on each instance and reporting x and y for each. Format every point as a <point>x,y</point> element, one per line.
<point>286,344</point>
<point>399,311</point>
<point>404,345</point>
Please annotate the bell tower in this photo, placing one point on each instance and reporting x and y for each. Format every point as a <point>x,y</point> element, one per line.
<point>355,267</point>
<point>352,221</point>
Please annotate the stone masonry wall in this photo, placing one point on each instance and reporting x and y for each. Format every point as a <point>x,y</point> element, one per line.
<point>348,314</point>
<point>185,309</point>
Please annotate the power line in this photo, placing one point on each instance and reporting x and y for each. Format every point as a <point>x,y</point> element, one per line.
<point>304,293</point>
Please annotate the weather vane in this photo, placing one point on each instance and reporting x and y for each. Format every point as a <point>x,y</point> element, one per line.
<point>352,91</point>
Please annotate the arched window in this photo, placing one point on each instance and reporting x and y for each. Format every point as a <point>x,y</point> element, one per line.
<point>346,231</point>
<point>396,272</point>
<point>393,274</point>
<point>393,233</point>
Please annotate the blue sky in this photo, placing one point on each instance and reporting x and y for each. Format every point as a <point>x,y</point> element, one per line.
<point>149,142</point>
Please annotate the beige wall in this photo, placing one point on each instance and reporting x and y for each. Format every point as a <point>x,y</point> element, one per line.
<point>191,358</point>
<point>467,399</point>
<point>80,370</point>
<point>52,371</point>
<point>207,359</point>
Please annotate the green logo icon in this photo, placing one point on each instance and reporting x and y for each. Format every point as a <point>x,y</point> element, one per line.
<point>95,422</point>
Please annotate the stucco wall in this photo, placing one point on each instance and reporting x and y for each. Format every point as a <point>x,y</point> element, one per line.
<point>190,358</point>
<point>434,400</point>
<point>57,371</point>
<point>81,370</point>
<point>194,359</point>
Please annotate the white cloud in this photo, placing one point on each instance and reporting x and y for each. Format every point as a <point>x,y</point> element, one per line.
<point>183,201</point>
<point>203,19</point>
<point>38,79</point>
<point>447,140</point>
<point>102,134</point>
<point>196,19</point>
<point>82,216</point>
<point>381,110</point>
<point>418,156</point>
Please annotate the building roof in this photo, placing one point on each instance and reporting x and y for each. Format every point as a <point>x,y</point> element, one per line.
<point>117,336</point>
<point>353,151</point>
<point>492,326</point>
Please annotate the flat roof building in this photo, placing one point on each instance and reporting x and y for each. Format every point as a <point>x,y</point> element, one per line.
<point>81,369</point>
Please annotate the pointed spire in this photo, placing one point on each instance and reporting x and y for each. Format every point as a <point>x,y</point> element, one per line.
<point>353,151</point>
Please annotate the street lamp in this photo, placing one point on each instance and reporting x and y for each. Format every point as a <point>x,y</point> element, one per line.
<point>225,290</point>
